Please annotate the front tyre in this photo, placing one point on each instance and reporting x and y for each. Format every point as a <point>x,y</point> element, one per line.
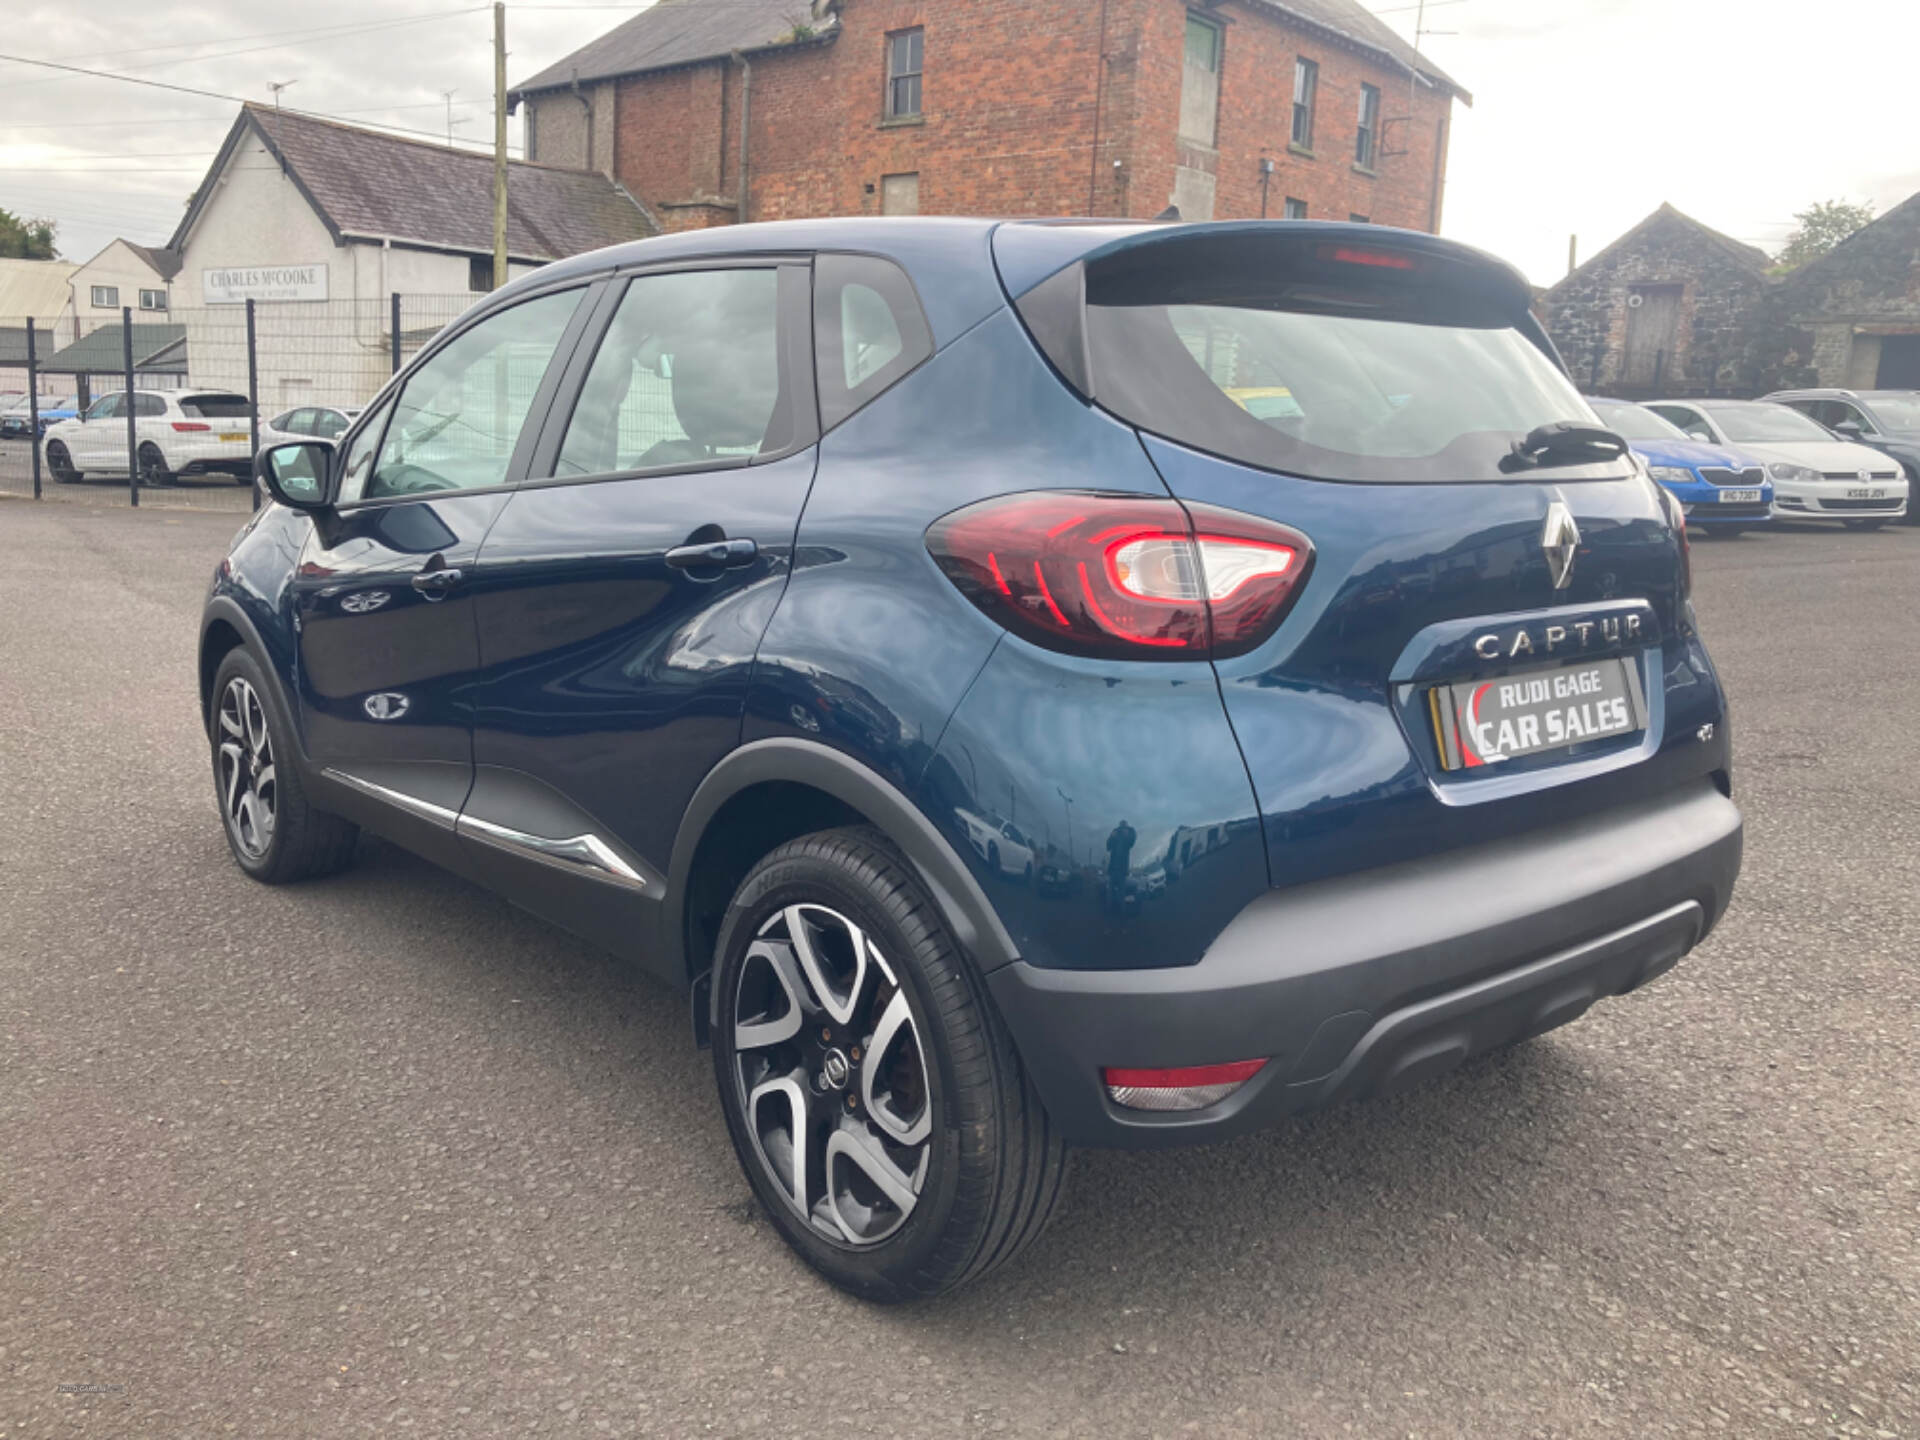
<point>275,835</point>
<point>872,1094</point>
<point>61,464</point>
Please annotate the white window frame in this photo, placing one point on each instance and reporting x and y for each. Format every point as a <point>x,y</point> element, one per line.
<point>112,293</point>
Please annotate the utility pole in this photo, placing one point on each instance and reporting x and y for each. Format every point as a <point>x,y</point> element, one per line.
<point>499,144</point>
<point>448,95</point>
<point>1573,253</point>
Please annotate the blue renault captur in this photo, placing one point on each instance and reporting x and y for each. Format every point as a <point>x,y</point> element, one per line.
<point>1719,489</point>
<point>1031,683</point>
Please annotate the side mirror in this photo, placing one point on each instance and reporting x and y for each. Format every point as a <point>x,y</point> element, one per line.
<point>1849,428</point>
<point>1704,437</point>
<point>296,474</point>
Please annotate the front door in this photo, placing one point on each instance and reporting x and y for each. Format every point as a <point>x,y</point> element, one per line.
<point>1653,320</point>
<point>100,443</point>
<point>621,598</point>
<point>383,593</point>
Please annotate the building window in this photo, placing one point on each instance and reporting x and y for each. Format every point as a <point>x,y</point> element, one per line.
<point>1296,209</point>
<point>905,53</point>
<point>1358,220</point>
<point>106,297</point>
<point>153,299</point>
<point>1366,144</point>
<point>1306,84</point>
<point>480,273</point>
<point>900,194</point>
<point>1200,82</point>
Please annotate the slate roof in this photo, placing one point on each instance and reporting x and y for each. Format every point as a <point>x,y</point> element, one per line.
<point>104,353</point>
<point>1351,21</point>
<point>678,32</point>
<point>165,263</point>
<point>1748,257</point>
<point>366,185</point>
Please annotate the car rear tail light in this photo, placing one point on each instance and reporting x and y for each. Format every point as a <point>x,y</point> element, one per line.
<point>1187,1087</point>
<point>1677,518</point>
<point>1123,575</point>
<point>187,426</point>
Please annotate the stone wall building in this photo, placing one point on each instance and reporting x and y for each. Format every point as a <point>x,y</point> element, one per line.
<point>714,111</point>
<point>1852,317</point>
<point>1667,309</point>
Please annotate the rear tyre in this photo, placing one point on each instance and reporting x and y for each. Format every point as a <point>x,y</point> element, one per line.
<point>61,464</point>
<point>872,1093</point>
<point>153,467</point>
<point>275,835</point>
<point>1865,524</point>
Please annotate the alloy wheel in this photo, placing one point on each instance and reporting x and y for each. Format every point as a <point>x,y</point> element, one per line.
<point>832,1075</point>
<point>248,791</point>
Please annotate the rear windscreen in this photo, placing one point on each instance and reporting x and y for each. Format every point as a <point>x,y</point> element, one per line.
<point>217,407</point>
<point>1326,360</point>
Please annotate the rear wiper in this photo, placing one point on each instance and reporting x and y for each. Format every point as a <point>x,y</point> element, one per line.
<point>1564,442</point>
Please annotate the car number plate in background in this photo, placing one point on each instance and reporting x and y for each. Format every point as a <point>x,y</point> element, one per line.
<point>1877,493</point>
<point>1739,497</point>
<point>234,436</point>
<point>1487,721</point>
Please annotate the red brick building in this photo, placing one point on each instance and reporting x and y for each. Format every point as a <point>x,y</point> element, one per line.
<point>714,111</point>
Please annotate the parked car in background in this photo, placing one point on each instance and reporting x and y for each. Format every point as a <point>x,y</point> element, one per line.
<point>1815,474</point>
<point>16,418</point>
<point>1888,420</point>
<point>1718,488</point>
<point>716,595</point>
<point>308,422</point>
<point>176,433</point>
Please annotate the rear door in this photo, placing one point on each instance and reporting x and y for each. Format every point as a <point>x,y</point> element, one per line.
<point>623,590</point>
<point>383,591</point>
<point>1382,397</point>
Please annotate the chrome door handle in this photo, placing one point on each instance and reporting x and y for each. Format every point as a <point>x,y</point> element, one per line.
<point>434,584</point>
<point>714,555</point>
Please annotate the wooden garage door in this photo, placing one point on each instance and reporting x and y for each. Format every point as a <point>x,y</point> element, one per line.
<point>1653,319</point>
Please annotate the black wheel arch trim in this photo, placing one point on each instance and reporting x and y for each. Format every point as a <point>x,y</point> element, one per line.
<point>223,608</point>
<point>963,905</point>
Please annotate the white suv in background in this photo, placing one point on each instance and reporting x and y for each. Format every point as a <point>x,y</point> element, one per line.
<point>1816,475</point>
<point>176,432</point>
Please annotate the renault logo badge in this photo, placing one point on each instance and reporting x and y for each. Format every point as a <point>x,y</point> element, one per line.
<point>1561,540</point>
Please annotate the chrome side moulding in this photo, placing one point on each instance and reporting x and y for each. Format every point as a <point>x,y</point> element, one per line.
<point>399,799</point>
<point>587,854</point>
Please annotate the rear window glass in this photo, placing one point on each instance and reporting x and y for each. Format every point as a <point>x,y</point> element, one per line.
<point>217,407</point>
<point>868,329</point>
<point>1326,360</point>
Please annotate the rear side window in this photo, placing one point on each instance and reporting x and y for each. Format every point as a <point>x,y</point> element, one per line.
<point>1325,358</point>
<point>217,407</point>
<point>149,405</point>
<point>868,330</point>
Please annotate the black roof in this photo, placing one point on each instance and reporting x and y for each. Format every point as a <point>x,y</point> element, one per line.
<point>157,349</point>
<point>684,32</point>
<point>366,185</point>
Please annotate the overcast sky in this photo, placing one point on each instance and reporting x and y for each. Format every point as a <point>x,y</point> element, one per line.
<point>1587,113</point>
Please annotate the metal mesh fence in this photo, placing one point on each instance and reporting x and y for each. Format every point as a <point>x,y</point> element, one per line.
<point>279,357</point>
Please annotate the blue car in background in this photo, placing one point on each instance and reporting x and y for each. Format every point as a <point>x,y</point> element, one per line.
<point>1716,487</point>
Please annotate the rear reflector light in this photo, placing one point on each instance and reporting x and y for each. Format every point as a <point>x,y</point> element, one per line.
<point>1356,255</point>
<point>1123,575</point>
<point>187,426</point>
<point>1187,1087</point>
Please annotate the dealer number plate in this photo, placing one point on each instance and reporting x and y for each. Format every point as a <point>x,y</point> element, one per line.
<point>1739,497</point>
<point>1486,722</point>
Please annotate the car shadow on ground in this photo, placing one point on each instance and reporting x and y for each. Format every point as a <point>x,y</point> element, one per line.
<point>1383,1185</point>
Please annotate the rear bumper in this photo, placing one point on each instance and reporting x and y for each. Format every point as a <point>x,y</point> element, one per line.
<point>1360,985</point>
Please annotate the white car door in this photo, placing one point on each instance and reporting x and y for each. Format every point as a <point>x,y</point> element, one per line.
<point>99,441</point>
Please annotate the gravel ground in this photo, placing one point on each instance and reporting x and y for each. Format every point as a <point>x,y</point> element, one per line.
<point>381,1156</point>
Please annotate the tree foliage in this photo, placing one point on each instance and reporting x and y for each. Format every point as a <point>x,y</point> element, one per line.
<point>25,239</point>
<point>1819,228</point>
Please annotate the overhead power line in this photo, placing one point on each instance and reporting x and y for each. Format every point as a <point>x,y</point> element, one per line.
<point>190,90</point>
